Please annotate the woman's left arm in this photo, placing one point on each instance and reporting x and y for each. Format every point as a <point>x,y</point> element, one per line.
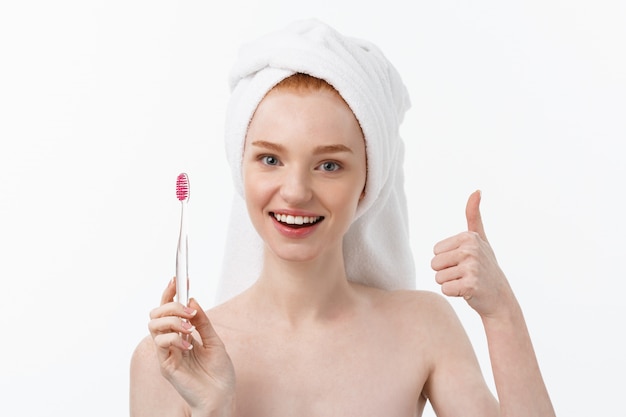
<point>466,267</point>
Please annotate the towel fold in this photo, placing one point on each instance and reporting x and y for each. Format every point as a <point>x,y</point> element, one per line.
<point>376,247</point>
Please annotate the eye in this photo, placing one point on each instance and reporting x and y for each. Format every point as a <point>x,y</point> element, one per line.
<point>269,160</point>
<point>330,166</point>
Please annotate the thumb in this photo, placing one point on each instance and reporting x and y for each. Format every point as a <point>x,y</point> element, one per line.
<point>203,326</point>
<point>472,213</point>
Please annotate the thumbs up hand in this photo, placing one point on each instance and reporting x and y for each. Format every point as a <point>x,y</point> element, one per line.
<point>466,266</point>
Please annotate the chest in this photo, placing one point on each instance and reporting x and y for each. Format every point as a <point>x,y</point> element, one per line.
<point>354,372</point>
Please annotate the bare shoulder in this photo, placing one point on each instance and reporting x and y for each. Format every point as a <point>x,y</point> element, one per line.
<point>415,305</point>
<point>417,298</point>
<point>424,319</point>
<point>144,362</point>
<point>150,393</point>
<point>231,314</point>
<point>145,348</point>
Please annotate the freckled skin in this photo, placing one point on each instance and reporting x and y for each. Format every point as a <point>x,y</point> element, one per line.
<point>293,128</point>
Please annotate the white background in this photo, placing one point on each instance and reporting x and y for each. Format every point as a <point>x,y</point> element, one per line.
<point>103,103</point>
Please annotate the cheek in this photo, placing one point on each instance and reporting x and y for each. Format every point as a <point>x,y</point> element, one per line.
<point>248,183</point>
<point>254,201</point>
<point>257,190</point>
<point>248,176</point>
<point>350,195</point>
<point>250,188</point>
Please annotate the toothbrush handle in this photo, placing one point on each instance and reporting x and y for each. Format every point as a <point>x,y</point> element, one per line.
<point>182,271</point>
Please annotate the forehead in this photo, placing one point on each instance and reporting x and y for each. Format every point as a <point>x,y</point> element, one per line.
<point>318,114</point>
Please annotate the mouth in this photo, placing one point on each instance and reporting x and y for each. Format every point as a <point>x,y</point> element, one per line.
<point>296,222</point>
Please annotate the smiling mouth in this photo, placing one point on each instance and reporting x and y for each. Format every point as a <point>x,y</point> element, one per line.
<point>296,221</point>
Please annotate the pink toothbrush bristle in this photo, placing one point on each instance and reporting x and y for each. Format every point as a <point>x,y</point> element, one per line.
<point>182,187</point>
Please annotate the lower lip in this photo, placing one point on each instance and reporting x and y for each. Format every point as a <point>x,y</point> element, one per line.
<point>292,232</point>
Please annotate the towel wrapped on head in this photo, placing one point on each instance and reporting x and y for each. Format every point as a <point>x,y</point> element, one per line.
<point>376,247</point>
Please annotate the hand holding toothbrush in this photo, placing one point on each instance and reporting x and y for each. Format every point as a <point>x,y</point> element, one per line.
<point>198,367</point>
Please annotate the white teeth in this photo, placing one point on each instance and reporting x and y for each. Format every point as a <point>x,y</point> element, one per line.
<point>289,219</point>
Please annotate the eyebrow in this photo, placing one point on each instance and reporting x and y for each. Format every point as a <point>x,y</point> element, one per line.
<point>331,149</point>
<point>268,145</point>
<point>318,150</point>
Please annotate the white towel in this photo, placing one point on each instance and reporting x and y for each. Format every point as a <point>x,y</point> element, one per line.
<point>376,247</point>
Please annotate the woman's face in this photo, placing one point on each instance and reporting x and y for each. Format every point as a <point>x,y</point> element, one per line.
<point>304,170</point>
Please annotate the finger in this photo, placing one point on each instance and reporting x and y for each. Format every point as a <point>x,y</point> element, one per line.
<point>472,213</point>
<point>170,343</point>
<point>169,325</point>
<point>169,292</point>
<point>448,244</point>
<point>172,309</point>
<point>203,326</point>
<point>452,288</point>
<point>456,288</point>
<point>448,274</point>
<point>445,260</point>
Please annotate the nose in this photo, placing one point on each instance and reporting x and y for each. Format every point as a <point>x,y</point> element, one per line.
<point>296,186</point>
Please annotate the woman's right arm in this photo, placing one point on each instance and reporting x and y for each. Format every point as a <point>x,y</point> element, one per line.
<point>172,377</point>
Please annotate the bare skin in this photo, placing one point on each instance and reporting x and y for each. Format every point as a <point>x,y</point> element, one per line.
<point>372,359</point>
<point>304,340</point>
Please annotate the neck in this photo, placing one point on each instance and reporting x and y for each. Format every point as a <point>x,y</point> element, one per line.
<point>306,291</point>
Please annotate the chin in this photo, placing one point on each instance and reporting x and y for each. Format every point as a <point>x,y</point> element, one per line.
<point>295,254</point>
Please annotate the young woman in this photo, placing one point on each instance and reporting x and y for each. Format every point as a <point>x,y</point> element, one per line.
<point>308,338</point>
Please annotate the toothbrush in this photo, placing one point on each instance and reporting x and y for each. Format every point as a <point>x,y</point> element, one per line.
<point>182,271</point>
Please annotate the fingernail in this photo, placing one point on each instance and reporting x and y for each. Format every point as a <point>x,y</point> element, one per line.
<point>188,326</point>
<point>187,345</point>
<point>189,310</point>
